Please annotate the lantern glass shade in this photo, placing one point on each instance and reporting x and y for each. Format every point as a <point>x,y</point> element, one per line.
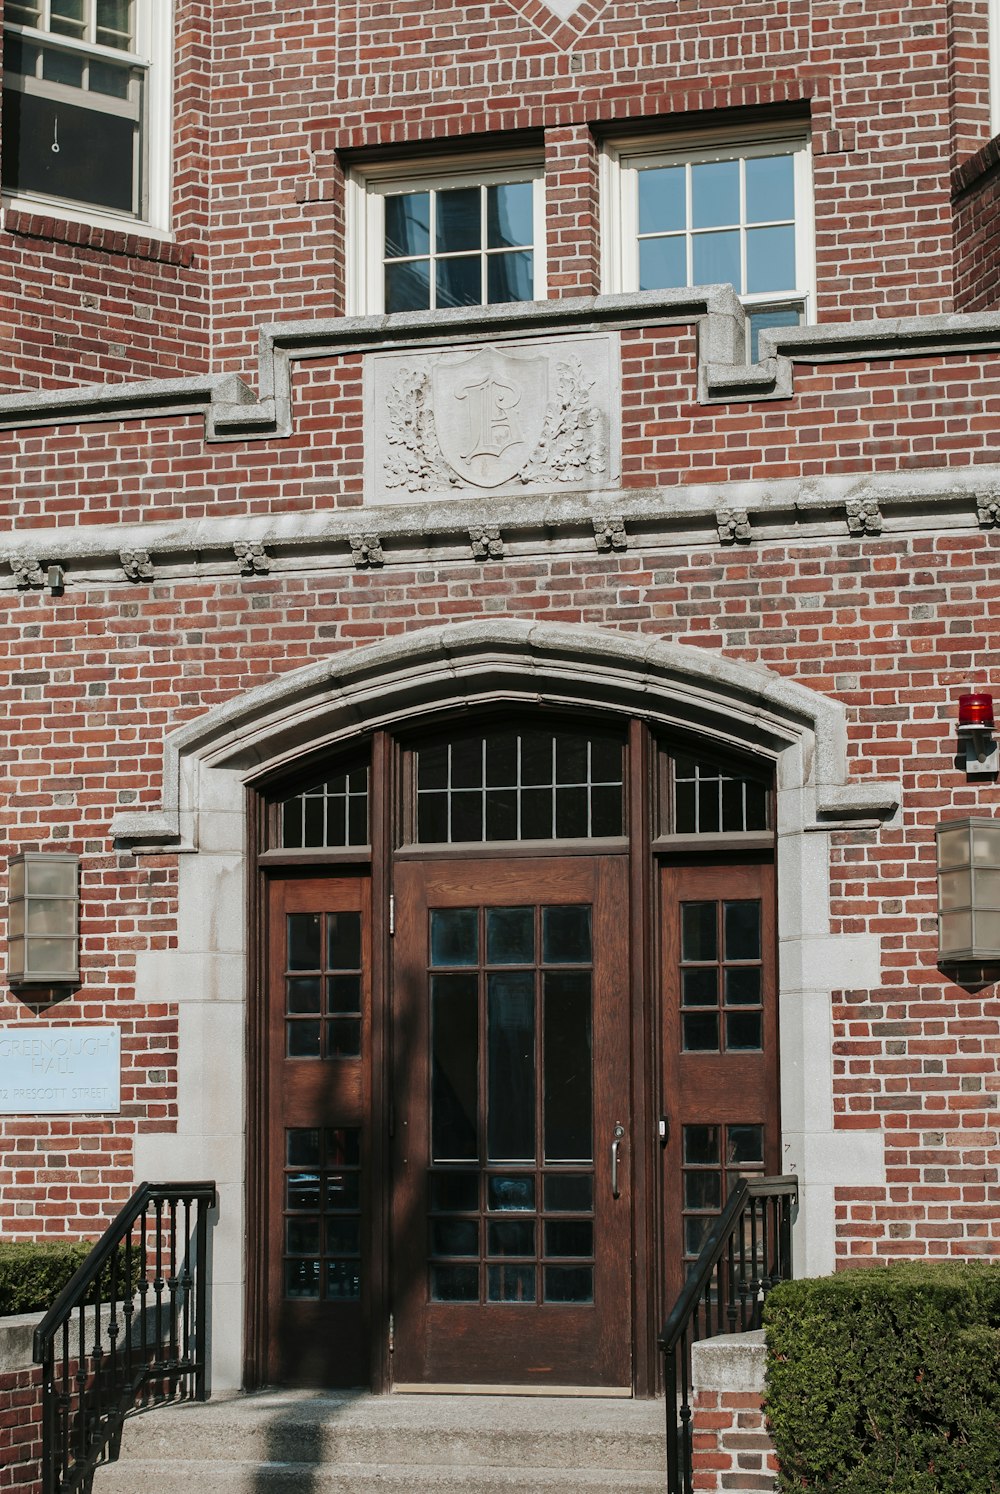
<point>42,919</point>
<point>969,891</point>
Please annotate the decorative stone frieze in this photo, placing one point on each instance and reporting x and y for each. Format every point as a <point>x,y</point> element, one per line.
<point>137,565</point>
<point>610,532</point>
<point>28,571</point>
<point>497,418</point>
<point>987,511</point>
<point>733,525</point>
<point>252,558</point>
<point>864,516</point>
<point>487,542</point>
<point>366,551</point>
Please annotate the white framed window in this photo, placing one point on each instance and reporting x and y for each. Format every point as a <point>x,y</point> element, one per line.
<point>461,235</point>
<point>86,109</point>
<point>994,44</point>
<point>734,211</point>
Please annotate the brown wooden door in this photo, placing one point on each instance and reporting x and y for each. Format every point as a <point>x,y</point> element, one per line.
<point>720,1046</point>
<point>319,1041</point>
<point>511,1263</point>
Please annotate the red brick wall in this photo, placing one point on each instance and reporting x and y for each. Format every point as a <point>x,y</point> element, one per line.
<point>977,230</point>
<point>731,1447</point>
<point>21,1431</point>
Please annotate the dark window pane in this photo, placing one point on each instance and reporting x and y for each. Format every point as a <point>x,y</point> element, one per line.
<point>343,1038</point>
<point>569,1193</point>
<point>62,67</point>
<point>569,1283</point>
<point>732,804</point>
<point>703,1190</point>
<point>455,1283</point>
<point>566,935</point>
<point>343,1147</point>
<point>510,936</point>
<point>467,763</point>
<point>536,757</point>
<point>467,815</point>
<point>302,1236</point>
<point>455,936</point>
<point>501,759</point>
<point>696,1232</point>
<point>459,281</point>
<point>698,931</point>
<point>303,1147</point>
<point>536,814</point>
<point>291,823</point>
<point>743,985</point>
<point>569,1237</point>
<point>511,1283</point>
<point>454,1067</point>
<point>110,79</point>
<point>715,193</point>
<point>510,1125</point>
<point>302,1278</point>
<point>701,1032</point>
<point>456,1192</point>
<point>336,820</point>
<point>432,818</point>
<point>742,930</point>
<point>709,819</point>
<point>684,808</point>
<point>303,1039</point>
<point>314,815</point>
<point>407,224</point>
<point>305,951</point>
<point>343,1192</point>
<point>701,1145</point>
<point>511,1237</point>
<point>343,993</point>
<point>343,1280</point>
<point>662,263</point>
<point>432,768</point>
<point>408,286</point>
<point>510,277</point>
<point>509,215</point>
<point>700,987</point>
<point>343,941</point>
<point>757,793</point>
<point>606,760</point>
<point>454,1237</point>
<point>458,220</point>
<point>662,199</point>
<point>302,1191</point>
<point>745,1144</point>
<point>606,805</point>
<point>571,813</point>
<point>303,994</point>
<point>506,1195</point>
<point>501,814</point>
<point>568,1067</point>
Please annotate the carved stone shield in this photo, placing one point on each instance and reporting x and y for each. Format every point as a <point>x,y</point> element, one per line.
<point>489,413</point>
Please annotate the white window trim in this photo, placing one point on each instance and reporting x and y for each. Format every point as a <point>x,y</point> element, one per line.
<point>994,49</point>
<point>154,51</point>
<point>620,161</point>
<point>367,188</point>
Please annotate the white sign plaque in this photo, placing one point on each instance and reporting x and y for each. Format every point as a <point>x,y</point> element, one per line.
<point>60,1070</point>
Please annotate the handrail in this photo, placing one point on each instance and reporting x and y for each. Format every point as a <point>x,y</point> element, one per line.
<point>145,1284</point>
<point>747,1250</point>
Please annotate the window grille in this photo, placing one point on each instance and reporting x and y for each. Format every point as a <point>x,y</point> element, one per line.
<point>709,798</point>
<point>331,815</point>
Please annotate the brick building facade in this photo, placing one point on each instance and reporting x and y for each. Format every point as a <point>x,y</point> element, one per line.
<point>398,429</point>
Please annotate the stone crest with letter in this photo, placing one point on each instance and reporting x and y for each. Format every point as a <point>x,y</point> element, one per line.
<point>492,418</point>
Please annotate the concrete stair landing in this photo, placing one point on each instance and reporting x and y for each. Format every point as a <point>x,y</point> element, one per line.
<point>298,1442</point>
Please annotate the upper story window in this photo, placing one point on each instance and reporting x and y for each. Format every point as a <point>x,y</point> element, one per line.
<point>460,238</point>
<point>86,108</point>
<point>737,212</point>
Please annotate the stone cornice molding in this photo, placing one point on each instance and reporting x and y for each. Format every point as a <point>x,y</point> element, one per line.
<point>233,412</point>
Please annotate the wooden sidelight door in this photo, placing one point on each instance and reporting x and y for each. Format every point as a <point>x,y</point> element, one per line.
<point>720,1046</point>
<point>511,1204</point>
<point>319,1037</point>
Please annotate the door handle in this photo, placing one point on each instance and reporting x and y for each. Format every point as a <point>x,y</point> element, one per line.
<point>616,1192</point>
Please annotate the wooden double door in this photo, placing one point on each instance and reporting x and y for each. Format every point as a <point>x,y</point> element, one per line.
<point>452,1168</point>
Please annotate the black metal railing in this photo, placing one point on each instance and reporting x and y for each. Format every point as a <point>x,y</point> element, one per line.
<point>747,1250</point>
<point>128,1330</point>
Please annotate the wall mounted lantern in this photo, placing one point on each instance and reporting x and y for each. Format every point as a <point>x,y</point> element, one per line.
<point>42,919</point>
<point>976,742</point>
<point>968,860</point>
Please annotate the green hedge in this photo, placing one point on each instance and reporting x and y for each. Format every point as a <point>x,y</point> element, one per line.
<point>33,1275</point>
<point>887,1379</point>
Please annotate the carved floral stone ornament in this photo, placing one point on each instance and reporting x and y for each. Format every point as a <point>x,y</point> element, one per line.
<point>610,533</point>
<point>136,564</point>
<point>988,511</point>
<point>494,418</point>
<point>864,516</point>
<point>487,542</point>
<point>28,570</point>
<point>366,550</point>
<point>733,525</point>
<point>252,558</point>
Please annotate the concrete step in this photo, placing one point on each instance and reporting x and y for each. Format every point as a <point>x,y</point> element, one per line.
<point>296,1442</point>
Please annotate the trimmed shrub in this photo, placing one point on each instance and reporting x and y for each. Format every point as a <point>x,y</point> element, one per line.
<point>887,1379</point>
<point>32,1275</point>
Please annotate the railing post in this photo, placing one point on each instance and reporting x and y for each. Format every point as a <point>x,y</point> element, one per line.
<point>201,1301</point>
